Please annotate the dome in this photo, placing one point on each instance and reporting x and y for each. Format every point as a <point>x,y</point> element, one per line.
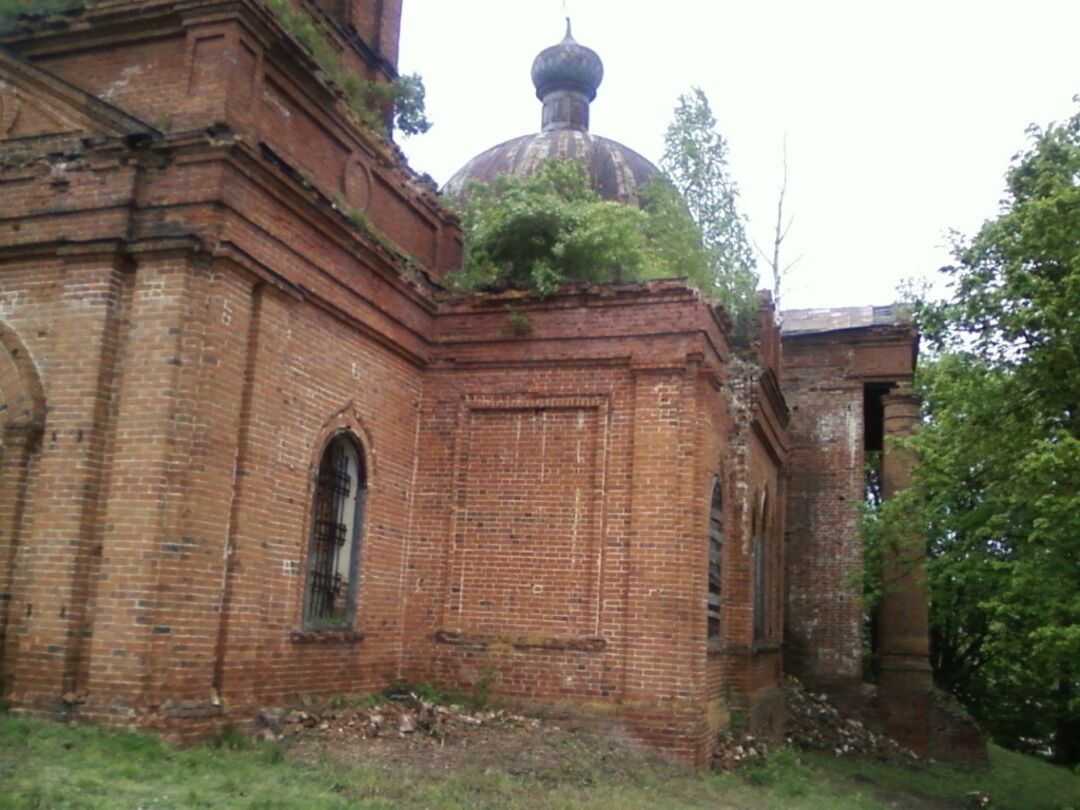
<point>567,66</point>
<point>615,171</point>
<point>566,77</point>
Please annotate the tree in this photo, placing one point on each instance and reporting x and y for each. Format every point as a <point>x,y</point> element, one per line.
<point>552,228</point>
<point>695,161</point>
<point>778,270</point>
<point>998,478</point>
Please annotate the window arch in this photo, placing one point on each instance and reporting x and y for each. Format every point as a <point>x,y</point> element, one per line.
<point>337,518</point>
<point>716,560</point>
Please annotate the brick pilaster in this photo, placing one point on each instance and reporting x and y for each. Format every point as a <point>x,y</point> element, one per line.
<point>905,677</point>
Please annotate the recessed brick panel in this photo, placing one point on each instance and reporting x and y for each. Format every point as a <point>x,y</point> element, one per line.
<point>525,539</point>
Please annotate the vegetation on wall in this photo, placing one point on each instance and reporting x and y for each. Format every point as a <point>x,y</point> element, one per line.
<point>402,99</point>
<point>552,228</point>
<point>11,10</point>
<point>997,492</point>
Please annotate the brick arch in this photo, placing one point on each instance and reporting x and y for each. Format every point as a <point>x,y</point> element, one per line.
<point>22,418</point>
<point>22,397</point>
<point>346,419</point>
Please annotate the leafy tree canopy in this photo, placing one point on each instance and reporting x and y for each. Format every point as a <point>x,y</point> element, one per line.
<point>695,160</point>
<point>552,228</point>
<point>998,478</point>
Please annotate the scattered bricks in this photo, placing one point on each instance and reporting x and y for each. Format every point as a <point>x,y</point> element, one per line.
<point>816,724</point>
<point>734,750</point>
<point>401,716</point>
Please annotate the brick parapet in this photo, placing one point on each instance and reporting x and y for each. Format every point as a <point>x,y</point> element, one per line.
<point>230,66</point>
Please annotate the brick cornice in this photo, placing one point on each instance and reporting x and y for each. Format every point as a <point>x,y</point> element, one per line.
<point>108,23</point>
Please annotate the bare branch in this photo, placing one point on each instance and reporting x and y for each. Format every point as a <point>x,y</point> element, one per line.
<point>780,232</point>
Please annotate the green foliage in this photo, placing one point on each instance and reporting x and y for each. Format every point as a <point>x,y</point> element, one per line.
<point>11,10</point>
<point>232,738</point>
<point>406,97</point>
<point>431,693</point>
<point>1013,781</point>
<point>675,238</point>
<point>997,493</point>
<point>552,228</point>
<point>484,688</point>
<point>695,161</point>
<point>402,100</point>
<point>398,689</point>
<point>520,322</point>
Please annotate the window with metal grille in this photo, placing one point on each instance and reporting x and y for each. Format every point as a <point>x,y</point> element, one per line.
<point>337,517</point>
<point>716,553</point>
<point>759,573</point>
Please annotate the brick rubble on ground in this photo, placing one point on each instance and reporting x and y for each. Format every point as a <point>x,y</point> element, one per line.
<point>405,716</point>
<point>734,750</point>
<point>813,722</point>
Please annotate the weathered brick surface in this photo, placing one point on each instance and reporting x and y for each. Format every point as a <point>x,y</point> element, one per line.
<point>601,428</point>
<point>188,315</point>
<point>823,377</point>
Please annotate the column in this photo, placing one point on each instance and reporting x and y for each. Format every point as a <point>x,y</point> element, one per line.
<point>905,680</point>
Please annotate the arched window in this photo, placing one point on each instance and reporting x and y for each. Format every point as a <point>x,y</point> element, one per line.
<point>716,555</point>
<point>333,563</point>
<point>760,569</point>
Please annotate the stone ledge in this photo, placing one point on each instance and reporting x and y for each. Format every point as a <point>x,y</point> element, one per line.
<point>522,642</point>
<point>340,636</point>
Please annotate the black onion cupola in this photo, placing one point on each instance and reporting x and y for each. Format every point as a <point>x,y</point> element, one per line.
<point>566,77</point>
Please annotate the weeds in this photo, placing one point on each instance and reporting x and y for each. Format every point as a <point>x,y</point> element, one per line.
<point>520,322</point>
<point>403,98</point>
<point>484,687</point>
<point>230,738</point>
<point>11,10</point>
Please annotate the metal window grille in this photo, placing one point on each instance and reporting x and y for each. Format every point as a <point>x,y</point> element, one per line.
<point>328,585</point>
<point>716,550</point>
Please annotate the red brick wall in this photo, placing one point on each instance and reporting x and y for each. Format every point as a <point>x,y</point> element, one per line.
<point>65,314</point>
<point>172,378</point>
<point>202,318</point>
<point>749,666</point>
<point>591,418</point>
<point>823,376</point>
<point>309,374</point>
<point>242,73</point>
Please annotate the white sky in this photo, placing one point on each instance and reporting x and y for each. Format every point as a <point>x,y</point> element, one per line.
<point>901,118</point>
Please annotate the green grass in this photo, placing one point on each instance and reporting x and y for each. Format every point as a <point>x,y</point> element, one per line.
<point>1013,782</point>
<point>46,766</point>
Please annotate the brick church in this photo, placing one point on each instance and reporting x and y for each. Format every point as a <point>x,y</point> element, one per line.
<point>253,449</point>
